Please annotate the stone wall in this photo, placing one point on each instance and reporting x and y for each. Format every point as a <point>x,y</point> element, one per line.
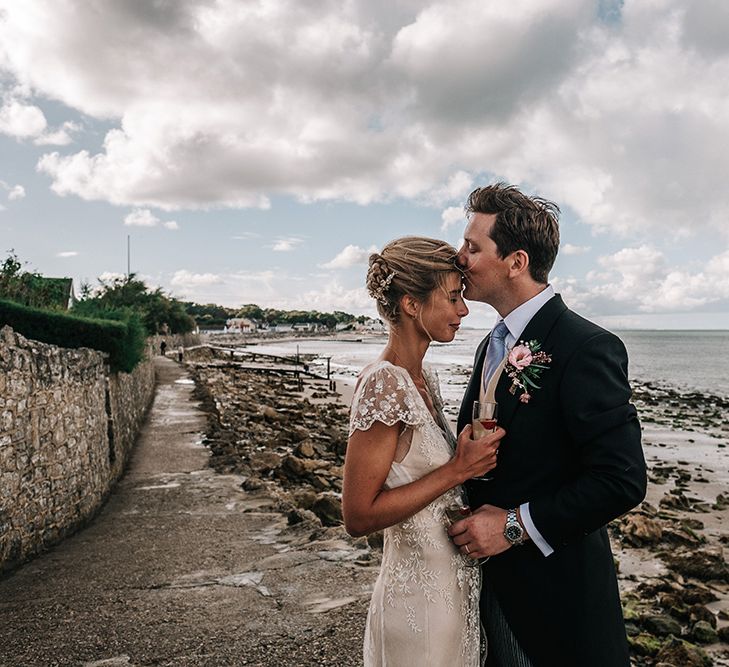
<point>67,427</point>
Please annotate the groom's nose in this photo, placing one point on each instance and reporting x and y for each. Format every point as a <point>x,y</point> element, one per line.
<point>461,259</point>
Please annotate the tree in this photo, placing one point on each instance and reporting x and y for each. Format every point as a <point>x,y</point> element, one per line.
<point>30,288</point>
<point>159,312</point>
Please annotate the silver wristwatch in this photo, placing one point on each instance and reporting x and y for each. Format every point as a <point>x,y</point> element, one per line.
<point>513,531</point>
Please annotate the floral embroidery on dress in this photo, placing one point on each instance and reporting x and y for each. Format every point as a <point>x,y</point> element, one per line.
<point>426,588</point>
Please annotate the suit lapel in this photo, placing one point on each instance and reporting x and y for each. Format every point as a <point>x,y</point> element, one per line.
<point>538,329</point>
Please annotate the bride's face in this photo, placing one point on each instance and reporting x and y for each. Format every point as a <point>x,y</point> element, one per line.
<point>442,313</point>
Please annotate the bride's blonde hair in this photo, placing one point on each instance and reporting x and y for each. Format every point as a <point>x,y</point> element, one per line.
<point>413,265</point>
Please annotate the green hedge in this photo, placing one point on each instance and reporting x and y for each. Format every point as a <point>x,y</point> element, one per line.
<point>120,334</point>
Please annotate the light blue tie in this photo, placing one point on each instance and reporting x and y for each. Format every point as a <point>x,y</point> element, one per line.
<point>495,352</point>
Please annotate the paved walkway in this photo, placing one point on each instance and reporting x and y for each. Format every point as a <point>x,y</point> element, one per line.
<point>182,567</point>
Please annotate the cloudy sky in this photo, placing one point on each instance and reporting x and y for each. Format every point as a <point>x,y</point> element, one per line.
<point>254,152</point>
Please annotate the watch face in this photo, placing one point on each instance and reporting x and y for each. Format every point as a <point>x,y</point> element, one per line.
<point>513,533</point>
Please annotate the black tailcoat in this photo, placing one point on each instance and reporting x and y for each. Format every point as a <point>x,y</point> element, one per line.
<point>574,453</point>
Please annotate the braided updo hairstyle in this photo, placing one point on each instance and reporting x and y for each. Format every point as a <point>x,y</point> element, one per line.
<point>414,265</point>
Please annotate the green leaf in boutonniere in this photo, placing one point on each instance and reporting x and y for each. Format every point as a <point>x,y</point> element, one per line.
<point>525,364</point>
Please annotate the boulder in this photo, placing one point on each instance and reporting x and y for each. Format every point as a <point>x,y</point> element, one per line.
<point>700,613</point>
<point>639,530</point>
<point>675,501</point>
<point>272,415</point>
<point>376,540</point>
<point>703,633</point>
<point>660,624</point>
<point>722,501</point>
<point>298,434</point>
<point>329,509</point>
<point>298,516</point>
<point>252,484</point>
<point>682,535</point>
<point>295,468</point>
<point>678,652</point>
<point>265,461</point>
<point>304,498</point>
<point>644,644</point>
<point>305,450</point>
<point>704,564</point>
<point>693,594</point>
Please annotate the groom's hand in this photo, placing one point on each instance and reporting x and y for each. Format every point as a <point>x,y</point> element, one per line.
<point>482,533</point>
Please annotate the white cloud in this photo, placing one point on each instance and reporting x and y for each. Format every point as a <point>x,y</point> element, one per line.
<point>623,122</point>
<point>16,192</point>
<point>145,218</point>
<point>229,289</point>
<point>350,255</point>
<point>67,253</point>
<point>569,249</point>
<point>21,120</point>
<point>640,280</point>
<point>451,216</point>
<point>456,188</point>
<point>186,279</point>
<point>108,276</point>
<point>287,244</point>
<point>141,218</point>
<point>274,289</point>
<point>330,297</point>
<point>59,137</point>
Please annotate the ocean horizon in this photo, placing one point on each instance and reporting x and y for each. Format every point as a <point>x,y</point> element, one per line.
<point>685,360</point>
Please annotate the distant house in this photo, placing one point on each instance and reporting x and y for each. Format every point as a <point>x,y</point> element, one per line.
<point>281,328</point>
<point>309,326</point>
<point>240,325</point>
<point>371,325</point>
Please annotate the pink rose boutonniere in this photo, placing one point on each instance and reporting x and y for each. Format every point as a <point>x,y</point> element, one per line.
<point>524,366</point>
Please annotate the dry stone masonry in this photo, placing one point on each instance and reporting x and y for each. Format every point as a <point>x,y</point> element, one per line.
<point>67,426</point>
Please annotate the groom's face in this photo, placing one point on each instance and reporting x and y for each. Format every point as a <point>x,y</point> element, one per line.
<point>485,272</point>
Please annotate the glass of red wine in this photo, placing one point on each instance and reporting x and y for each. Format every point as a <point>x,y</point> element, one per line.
<point>483,422</point>
<point>457,511</point>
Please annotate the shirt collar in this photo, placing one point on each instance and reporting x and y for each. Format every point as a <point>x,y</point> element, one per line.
<point>516,321</point>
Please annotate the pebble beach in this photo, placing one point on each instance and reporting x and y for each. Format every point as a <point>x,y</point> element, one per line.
<point>286,439</point>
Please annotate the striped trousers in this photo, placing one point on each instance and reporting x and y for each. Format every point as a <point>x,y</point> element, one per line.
<point>503,647</point>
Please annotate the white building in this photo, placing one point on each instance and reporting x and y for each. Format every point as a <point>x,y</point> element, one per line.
<point>241,325</point>
<point>371,325</point>
<point>309,326</point>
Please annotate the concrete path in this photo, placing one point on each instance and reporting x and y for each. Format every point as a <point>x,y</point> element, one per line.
<point>182,567</point>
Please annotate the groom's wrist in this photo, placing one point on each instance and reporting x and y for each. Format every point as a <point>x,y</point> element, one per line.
<point>514,529</point>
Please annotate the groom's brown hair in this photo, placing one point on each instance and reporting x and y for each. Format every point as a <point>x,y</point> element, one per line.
<point>522,223</point>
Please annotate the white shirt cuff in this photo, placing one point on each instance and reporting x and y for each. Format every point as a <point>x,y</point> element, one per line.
<point>532,531</point>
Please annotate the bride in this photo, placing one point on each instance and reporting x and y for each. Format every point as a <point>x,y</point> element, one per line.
<point>403,467</point>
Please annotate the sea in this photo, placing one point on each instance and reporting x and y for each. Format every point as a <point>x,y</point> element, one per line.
<point>684,360</point>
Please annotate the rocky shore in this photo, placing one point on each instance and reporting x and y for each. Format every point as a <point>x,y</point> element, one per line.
<point>288,440</point>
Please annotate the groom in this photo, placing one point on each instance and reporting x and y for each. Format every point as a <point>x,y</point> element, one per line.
<point>571,460</point>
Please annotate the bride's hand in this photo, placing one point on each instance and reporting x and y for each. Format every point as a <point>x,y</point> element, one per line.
<point>477,457</point>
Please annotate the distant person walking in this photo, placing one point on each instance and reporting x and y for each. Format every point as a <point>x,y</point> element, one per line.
<point>180,353</point>
<point>163,348</point>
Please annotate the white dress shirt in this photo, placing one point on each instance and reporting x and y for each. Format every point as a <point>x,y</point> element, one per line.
<point>516,321</point>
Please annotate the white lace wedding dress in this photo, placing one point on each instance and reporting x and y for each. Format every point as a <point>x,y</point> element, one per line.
<point>424,608</point>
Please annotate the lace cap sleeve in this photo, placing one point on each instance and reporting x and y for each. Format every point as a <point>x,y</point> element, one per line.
<point>385,395</point>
